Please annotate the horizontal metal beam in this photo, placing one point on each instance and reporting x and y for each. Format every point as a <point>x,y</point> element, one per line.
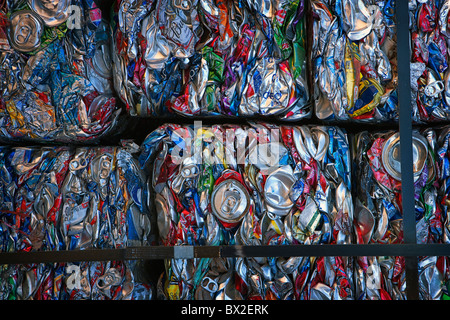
<point>160,252</point>
<point>337,250</point>
<point>62,256</point>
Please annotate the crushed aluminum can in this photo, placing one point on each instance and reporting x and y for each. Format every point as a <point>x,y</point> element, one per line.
<point>391,155</point>
<point>58,198</point>
<point>277,190</point>
<point>230,200</point>
<point>53,12</point>
<point>111,280</point>
<point>200,58</point>
<point>25,31</point>
<point>354,60</point>
<point>56,77</point>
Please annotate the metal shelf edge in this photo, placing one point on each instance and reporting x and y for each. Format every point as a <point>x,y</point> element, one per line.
<point>189,252</point>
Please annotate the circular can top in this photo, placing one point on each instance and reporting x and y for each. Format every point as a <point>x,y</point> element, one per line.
<point>277,190</point>
<point>391,155</point>
<point>230,201</point>
<point>53,12</point>
<point>25,30</point>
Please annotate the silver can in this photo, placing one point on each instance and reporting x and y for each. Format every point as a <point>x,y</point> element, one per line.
<point>53,12</point>
<point>277,189</point>
<point>25,30</point>
<point>391,155</point>
<point>230,201</point>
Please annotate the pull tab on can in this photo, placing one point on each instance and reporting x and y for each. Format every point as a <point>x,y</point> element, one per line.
<point>434,89</point>
<point>230,201</point>
<point>25,30</point>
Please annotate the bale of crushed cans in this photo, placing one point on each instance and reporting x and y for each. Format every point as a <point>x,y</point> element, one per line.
<point>378,211</point>
<point>111,280</point>
<point>295,278</point>
<point>233,58</point>
<point>250,184</point>
<point>377,195</point>
<point>354,58</point>
<point>61,198</point>
<point>378,202</point>
<point>55,71</point>
<point>429,36</point>
<point>180,154</point>
<point>433,224</point>
<point>377,168</point>
<point>260,184</point>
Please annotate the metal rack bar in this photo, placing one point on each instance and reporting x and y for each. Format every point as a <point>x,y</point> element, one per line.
<point>405,128</point>
<point>190,252</point>
<point>62,256</point>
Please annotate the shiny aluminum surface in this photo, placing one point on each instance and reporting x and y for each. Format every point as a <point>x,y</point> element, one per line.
<point>25,30</point>
<point>391,155</point>
<point>230,201</point>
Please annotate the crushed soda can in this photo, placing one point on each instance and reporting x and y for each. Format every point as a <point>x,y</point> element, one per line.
<point>354,59</point>
<point>197,58</point>
<point>429,60</point>
<point>62,198</point>
<point>110,280</point>
<point>55,72</point>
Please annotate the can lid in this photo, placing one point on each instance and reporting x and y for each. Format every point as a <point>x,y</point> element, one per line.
<point>230,201</point>
<point>52,12</point>
<point>391,155</point>
<point>25,30</point>
<point>277,190</point>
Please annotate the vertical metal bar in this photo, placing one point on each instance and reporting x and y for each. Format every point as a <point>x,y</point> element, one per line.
<point>405,127</point>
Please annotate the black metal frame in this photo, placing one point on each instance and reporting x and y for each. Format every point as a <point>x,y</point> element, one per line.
<point>405,128</point>
<point>409,249</point>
